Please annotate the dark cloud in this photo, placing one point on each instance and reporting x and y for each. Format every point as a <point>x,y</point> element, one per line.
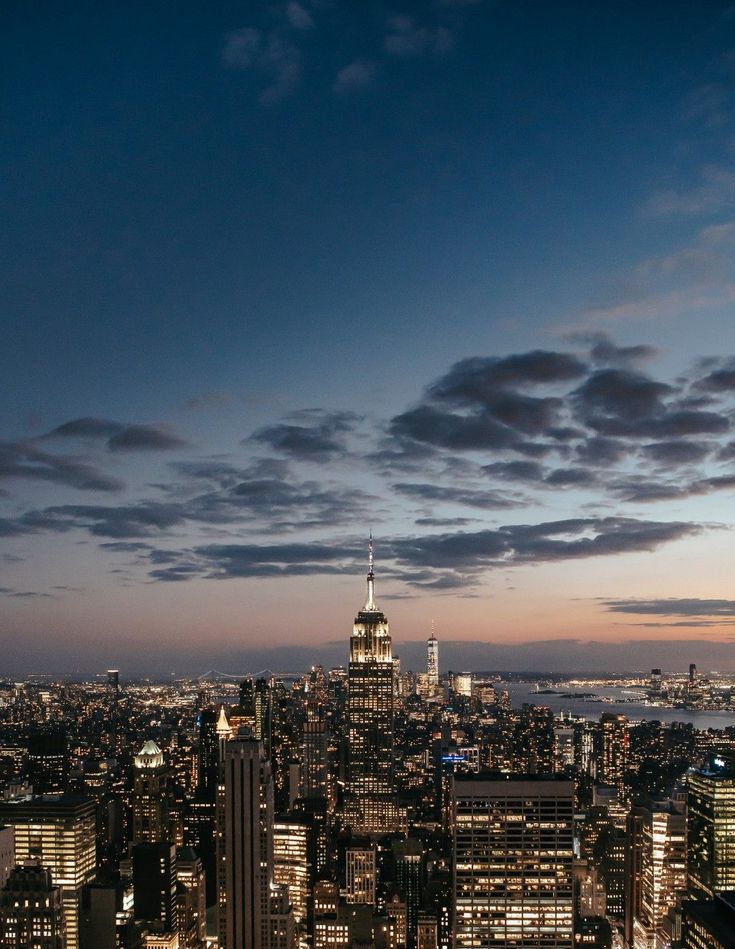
<point>477,380</point>
<point>602,451</point>
<point>87,427</point>
<point>447,430</point>
<point>720,380</point>
<point>515,471</point>
<point>667,425</point>
<point>443,521</point>
<point>19,460</point>
<point>144,519</point>
<point>555,540</point>
<point>621,393</point>
<point>605,353</point>
<point>144,438</point>
<point>322,438</point>
<point>580,477</point>
<point>118,436</point>
<point>672,606</point>
<point>486,500</point>
<point>677,452</point>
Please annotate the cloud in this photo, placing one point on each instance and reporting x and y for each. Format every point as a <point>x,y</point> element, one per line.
<point>357,75</point>
<point>574,538</point>
<point>677,452</point>
<point>118,436</point>
<point>477,380</point>
<point>298,16</point>
<point>406,37</point>
<point>671,606</point>
<point>21,461</point>
<point>715,192</point>
<point>271,55</point>
<point>621,393</point>
<point>515,471</point>
<point>321,440</point>
<point>485,500</point>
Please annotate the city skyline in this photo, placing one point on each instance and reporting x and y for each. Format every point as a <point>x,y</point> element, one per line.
<point>454,272</point>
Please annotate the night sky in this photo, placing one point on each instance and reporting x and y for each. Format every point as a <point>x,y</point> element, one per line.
<point>278,274</point>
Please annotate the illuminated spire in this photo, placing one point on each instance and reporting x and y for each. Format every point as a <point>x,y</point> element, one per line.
<point>370,604</point>
<point>224,731</point>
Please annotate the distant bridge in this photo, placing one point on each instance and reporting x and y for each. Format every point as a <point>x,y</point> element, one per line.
<point>215,675</point>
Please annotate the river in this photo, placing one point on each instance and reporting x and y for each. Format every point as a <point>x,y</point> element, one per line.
<point>521,692</point>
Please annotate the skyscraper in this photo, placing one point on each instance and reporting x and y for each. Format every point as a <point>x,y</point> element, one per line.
<point>154,884</point>
<point>59,832</point>
<point>711,831</point>
<point>370,702</point>
<point>150,795</point>
<point>662,872</point>
<point>613,759</point>
<point>513,860</point>
<point>432,660</point>
<point>253,910</point>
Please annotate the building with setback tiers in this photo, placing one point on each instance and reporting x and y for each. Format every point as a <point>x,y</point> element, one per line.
<point>371,805</point>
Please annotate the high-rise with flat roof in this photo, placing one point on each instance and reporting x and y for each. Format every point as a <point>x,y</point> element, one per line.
<point>513,861</point>
<point>711,831</point>
<point>59,832</point>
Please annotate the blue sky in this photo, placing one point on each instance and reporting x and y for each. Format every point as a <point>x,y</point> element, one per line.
<point>254,237</point>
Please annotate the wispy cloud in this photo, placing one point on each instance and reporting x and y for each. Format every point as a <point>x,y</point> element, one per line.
<point>357,75</point>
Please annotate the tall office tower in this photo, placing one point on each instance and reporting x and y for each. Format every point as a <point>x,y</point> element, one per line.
<point>534,741</point>
<point>432,660</point>
<point>513,859</point>
<point>106,916</point>
<point>208,754</point>
<point>154,885</point>
<point>361,874</point>
<point>692,673</point>
<point>655,683</point>
<point>410,864</point>
<point>48,761</point>
<point>113,684</point>
<point>263,701</point>
<point>31,912</point>
<point>711,831</point>
<point>59,832</point>
<point>314,812</point>
<point>613,760</point>
<point>244,845</point>
<point>7,853</point>
<point>291,865</point>
<point>315,761</point>
<point>150,795</point>
<point>709,924</point>
<point>191,900</point>
<point>662,873</point>
<point>370,706</point>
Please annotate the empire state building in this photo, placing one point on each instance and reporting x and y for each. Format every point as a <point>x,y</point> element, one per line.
<point>371,807</point>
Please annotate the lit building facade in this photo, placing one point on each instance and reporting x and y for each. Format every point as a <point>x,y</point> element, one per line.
<point>711,832</point>
<point>31,912</point>
<point>432,661</point>
<point>613,760</point>
<point>361,875</point>
<point>57,831</point>
<point>370,709</point>
<point>150,795</point>
<point>513,859</point>
<point>291,861</point>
